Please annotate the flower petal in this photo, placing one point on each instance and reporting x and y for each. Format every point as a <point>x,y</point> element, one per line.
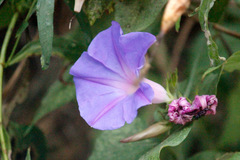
<point>97,102</point>
<point>160,94</point>
<point>88,67</point>
<point>105,49</point>
<point>143,96</point>
<point>135,46</point>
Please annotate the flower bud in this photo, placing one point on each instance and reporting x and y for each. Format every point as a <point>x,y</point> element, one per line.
<point>178,111</point>
<point>206,103</point>
<point>172,12</point>
<point>152,131</point>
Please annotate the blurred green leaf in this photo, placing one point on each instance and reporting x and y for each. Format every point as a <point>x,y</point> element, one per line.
<point>230,156</point>
<point>7,141</point>
<point>206,155</point>
<point>230,136</point>
<point>210,82</point>
<point>233,62</point>
<point>108,144</point>
<point>1,2</point>
<point>23,26</point>
<point>45,10</point>
<point>70,46</point>
<point>238,2</point>
<point>28,156</point>
<point>204,9</point>
<point>57,96</point>
<point>95,9</point>
<point>177,25</point>
<point>218,10</point>
<point>210,70</point>
<point>137,15</point>
<point>173,140</point>
<point>6,14</point>
<point>35,138</point>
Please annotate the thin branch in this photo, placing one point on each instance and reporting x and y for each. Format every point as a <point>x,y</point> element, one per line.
<point>226,31</point>
<point>180,42</point>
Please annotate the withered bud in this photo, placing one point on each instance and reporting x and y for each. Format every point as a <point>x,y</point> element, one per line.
<point>78,5</point>
<point>152,131</point>
<point>172,12</point>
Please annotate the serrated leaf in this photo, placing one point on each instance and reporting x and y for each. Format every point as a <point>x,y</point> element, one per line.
<point>230,156</point>
<point>45,10</point>
<point>204,10</point>
<point>233,62</point>
<point>137,15</point>
<point>173,140</point>
<point>28,156</point>
<point>108,144</point>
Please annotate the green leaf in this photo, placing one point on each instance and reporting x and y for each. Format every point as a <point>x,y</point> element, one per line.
<point>6,14</point>
<point>218,9</point>
<point>230,156</point>
<point>137,15</point>
<point>35,138</point>
<point>206,155</point>
<point>45,10</point>
<point>173,140</point>
<point>108,144</point>
<point>210,82</point>
<point>70,46</point>
<point>204,9</point>
<point>177,25</point>
<point>57,96</point>
<point>230,136</point>
<point>23,26</point>
<point>210,70</point>
<point>28,156</point>
<point>7,141</point>
<point>233,62</point>
<point>1,2</point>
<point>96,8</point>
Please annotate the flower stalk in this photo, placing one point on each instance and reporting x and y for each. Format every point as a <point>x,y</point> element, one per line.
<point>2,62</point>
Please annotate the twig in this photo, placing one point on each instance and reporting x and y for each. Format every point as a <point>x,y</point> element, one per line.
<point>13,80</point>
<point>180,42</point>
<point>227,31</point>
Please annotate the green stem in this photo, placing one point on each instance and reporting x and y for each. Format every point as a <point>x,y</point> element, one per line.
<point>2,61</point>
<point>31,10</point>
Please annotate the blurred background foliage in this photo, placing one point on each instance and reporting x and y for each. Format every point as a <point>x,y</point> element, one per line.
<point>39,106</point>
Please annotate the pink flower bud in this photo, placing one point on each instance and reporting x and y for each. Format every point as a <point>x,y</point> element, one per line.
<point>178,110</point>
<point>207,103</point>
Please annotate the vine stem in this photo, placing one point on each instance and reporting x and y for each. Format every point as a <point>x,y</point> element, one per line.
<point>2,61</point>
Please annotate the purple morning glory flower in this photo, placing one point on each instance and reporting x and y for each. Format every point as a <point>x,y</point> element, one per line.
<point>105,78</point>
<point>178,111</point>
